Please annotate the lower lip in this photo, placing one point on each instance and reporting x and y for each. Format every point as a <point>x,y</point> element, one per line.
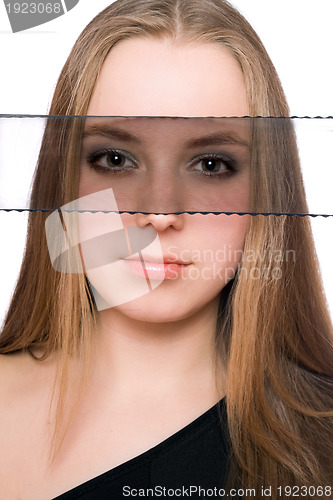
<point>155,270</point>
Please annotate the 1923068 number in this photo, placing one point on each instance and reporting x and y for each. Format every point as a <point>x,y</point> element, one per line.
<point>33,8</point>
<point>305,491</point>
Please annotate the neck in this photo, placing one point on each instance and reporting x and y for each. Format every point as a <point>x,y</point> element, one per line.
<point>157,357</point>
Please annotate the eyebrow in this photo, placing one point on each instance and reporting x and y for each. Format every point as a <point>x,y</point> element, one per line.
<point>217,139</point>
<point>214,139</point>
<point>107,131</point>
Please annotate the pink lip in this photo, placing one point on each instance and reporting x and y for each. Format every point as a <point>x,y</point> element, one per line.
<point>156,270</point>
<point>165,259</point>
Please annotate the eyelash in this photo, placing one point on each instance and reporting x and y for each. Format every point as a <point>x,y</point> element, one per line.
<point>92,159</point>
<point>97,155</point>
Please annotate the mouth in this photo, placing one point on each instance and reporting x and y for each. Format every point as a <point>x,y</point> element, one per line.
<point>154,268</point>
<point>165,259</point>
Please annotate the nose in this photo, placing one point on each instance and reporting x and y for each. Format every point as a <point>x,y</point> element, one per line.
<point>160,222</point>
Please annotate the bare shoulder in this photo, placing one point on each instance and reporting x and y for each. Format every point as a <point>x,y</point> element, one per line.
<point>13,368</point>
<point>20,372</point>
<point>23,382</point>
<point>25,386</point>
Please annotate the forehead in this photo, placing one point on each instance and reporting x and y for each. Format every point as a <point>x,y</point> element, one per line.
<point>158,77</point>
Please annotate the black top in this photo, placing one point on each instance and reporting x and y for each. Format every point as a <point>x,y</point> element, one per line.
<point>195,456</point>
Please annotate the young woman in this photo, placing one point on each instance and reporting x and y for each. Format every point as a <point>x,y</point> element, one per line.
<point>105,402</point>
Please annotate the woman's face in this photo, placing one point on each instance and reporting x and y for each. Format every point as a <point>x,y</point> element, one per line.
<point>166,165</point>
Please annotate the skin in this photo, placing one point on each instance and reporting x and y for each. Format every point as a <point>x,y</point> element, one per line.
<point>154,354</point>
<point>163,334</point>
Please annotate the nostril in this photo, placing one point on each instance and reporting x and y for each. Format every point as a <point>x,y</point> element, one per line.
<point>161,222</point>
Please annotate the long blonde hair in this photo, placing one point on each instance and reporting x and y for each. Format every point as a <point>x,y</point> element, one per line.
<point>274,335</point>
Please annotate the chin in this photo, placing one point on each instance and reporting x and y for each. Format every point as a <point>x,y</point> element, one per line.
<point>151,311</point>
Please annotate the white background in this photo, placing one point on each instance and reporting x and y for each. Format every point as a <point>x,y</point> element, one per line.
<point>298,37</point>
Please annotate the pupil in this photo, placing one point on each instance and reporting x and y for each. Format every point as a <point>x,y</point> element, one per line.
<point>115,159</point>
<point>210,164</point>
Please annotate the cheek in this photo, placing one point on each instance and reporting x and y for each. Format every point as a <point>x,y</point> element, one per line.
<point>87,183</point>
<point>222,237</point>
<point>222,229</point>
<point>234,230</point>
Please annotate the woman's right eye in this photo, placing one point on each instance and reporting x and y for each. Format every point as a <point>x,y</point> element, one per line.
<point>112,161</point>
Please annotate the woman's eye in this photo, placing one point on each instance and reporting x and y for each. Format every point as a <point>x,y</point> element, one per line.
<point>214,166</point>
<point>112,161</point>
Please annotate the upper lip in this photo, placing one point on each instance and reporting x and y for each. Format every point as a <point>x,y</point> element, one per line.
<point>166,259</point>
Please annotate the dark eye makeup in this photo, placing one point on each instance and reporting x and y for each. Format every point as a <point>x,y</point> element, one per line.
<point>111,161</point>
<point>116,161</point>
